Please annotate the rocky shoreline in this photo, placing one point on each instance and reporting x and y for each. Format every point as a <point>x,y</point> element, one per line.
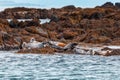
<point>99,25</point>
<point>81,49</point>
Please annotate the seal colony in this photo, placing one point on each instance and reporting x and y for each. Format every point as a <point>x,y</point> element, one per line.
<point>67,25</point>
<point>52,47</point>
<point>53,44</point>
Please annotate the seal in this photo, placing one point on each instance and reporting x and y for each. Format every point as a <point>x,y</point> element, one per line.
<point>62,46</point>
<point>33,44</point>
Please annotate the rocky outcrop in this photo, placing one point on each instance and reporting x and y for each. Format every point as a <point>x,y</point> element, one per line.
<point>8,42</point>
<point>117,5</point>
<point>108,5</point>
<point>113,52</point>
<point>99,25</point>
<point>69,7</point>
<point>46,50</point>
<point>14,23</point>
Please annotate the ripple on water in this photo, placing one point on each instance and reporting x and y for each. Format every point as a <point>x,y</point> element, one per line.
<point>56,67</point>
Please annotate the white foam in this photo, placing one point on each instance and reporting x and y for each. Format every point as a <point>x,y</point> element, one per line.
<point>113,47</point>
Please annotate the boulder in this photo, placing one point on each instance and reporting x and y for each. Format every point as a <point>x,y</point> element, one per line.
<point>117,5</point>
<point>14,23</point>
<point>96,15</point>
<point>108,5</point>
<point>69,7</point>
<point>37,30</point>
<point>4,21</point>
<point>9,42</point>
<point>68,34</point>
<point>54,18</point>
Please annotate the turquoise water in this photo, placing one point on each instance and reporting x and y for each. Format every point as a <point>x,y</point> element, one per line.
<point>58,67</point>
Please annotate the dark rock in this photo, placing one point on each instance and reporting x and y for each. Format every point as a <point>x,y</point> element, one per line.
<point>69,34</point>
<point>113,52</point>
<point>22,24</point>
<point>34,22</point>
<point>4,21</point>
<point>100,25</point>
<point>106,48</point>
<point>117,5</point>
<point>54,18</point>
<point>69,7</point>
<point>96,15</point>
<point>108,5</point>
<point>14,23</point>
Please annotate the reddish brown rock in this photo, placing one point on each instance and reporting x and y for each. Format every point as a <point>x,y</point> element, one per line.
<point>108,5</point>
<point>113,52</point>
<point>8,42</point>
<point>46,50</point>
<point>99,25</point>
<point>37,30</point>
<point>68,34</point>
<point>14,23</point>
<point>117,5</point>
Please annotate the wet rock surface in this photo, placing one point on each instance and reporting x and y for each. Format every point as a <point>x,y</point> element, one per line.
<point>46,50</point>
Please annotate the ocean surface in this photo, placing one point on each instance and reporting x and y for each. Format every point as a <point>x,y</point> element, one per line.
<point>58,67</point>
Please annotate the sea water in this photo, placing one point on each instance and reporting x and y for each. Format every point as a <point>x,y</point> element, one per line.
<point>15,66</point>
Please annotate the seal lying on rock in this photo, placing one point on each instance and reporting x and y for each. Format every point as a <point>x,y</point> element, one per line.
<point>82,51</point>
<point>60,44</point>
<point>33,44</point>
<point>102,52</point>
<point>108,52</point>
<point>57,45</point>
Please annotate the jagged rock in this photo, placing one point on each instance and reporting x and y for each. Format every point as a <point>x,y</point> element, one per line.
<point>108,5</point>
<point>54,18</point>
<point>117,5</point>
<point>69,7</point>
<point>4,21</point>
<point>116,41</point>
<point>96,15</point>
<point>8,42</point>
<point>99,25</point>
<point>37,30</point>
<point>14,23</point>
<point>34,22</point>
<point>106,48</point>
<point>113,52</point>
<point>67,34</point>
<point>22,24</point>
